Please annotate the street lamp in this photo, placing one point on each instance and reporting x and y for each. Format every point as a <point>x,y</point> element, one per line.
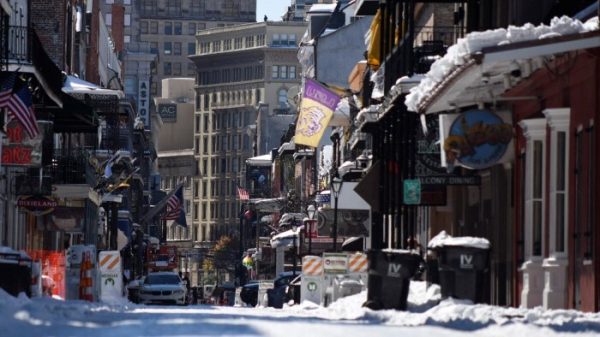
<point>294,227</point>
<point>310,210</point>
<point>336,186</point>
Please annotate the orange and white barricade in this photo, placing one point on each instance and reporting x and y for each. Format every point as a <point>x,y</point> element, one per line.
<point>312,288</point>
<point>111,275</point>
<point>358,268</point>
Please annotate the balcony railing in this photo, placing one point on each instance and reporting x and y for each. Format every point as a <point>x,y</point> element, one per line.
<point>24,47</point>
<point>417,55</point>
<point>71,167</point>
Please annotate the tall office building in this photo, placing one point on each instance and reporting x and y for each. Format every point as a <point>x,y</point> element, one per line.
<point>246,77</point>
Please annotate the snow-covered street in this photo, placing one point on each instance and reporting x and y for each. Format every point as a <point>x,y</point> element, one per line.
<point>425,317</point>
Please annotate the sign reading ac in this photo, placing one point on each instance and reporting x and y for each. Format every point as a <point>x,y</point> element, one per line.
<point>168,112</point>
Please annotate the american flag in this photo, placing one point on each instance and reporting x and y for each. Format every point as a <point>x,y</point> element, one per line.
<point>175,208</point>
<point>242,193</point>
<point>19,104</point>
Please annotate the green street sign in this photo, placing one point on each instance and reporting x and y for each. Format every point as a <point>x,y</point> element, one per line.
<point>412,192</point>
<point>312,286</point>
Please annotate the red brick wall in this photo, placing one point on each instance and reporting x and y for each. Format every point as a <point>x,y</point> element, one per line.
<point>118,24</point>
<point>92,57</point>
<point>48,20</point>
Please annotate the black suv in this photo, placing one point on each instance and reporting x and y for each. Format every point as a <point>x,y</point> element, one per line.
<point>276,295</point>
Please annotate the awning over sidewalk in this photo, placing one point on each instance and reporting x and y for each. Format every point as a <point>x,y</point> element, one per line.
<point>74,85</point>
<point>484,65</point>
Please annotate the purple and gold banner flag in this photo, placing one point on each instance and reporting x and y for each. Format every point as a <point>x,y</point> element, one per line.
<point>316,110</point>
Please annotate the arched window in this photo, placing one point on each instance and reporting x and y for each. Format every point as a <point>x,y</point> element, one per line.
<point>282,96</point>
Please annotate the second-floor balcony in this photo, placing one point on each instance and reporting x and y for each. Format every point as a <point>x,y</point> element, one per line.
<point>72,167</point>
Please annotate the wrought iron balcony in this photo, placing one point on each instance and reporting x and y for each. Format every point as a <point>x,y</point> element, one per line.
<point>72,167</point>
<point>24,47</point>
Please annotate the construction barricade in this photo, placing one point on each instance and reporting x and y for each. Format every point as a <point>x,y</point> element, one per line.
<point>111,275</point>
<point>50,280</point>
<point>312,279</point>
<point>358,268</point>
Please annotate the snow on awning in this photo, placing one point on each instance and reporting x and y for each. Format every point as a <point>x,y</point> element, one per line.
<point>286,238</point>
<point>269,205</point>
<point>443,240</point>
<point>264,160</point>
<point>321,8</point>
<point>482,62</point>
<point>74,85</point>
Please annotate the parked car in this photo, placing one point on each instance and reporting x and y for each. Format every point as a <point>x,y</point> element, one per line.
<point>292,291</point>
<point>276,296</point>
<point>162,287</point>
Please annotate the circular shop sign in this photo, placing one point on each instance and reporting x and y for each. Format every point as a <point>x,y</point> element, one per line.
<point>477,139</point>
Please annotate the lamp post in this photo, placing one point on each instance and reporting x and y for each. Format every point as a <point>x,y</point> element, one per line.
<point>336,186</point>
<point>310,210</point>
<point>294,227</point>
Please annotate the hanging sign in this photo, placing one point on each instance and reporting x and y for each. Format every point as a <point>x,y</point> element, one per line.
<point>477,139</point>
<point>37,204</point>
<point>21,150</point>
<point>144,102</point>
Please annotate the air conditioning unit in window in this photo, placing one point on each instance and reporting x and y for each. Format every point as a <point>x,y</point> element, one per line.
<point>167,52</point>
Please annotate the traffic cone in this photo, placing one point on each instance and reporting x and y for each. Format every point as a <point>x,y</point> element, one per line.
<point>88,274</point>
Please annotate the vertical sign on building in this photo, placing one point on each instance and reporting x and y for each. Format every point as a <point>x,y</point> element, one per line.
<point>144,102</point>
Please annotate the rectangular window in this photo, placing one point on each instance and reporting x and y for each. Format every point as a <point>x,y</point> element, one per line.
<point>249,41</point>
<point>204,184</point>
<point>238,43</point>
<point>168,48</point>
<point>127,38</point>
<point>292,41</point>
<point>216,46</point>
<point>292,73</point>
<point>224,146</point>
<point>196,213</point>
<point>191,48</point>
<point>260,40</point>
<point>204,169</point>
<point>149,7</point>
<point>144,27</point>
<point>174,8</point>
<point>127,20</point>
<point>235,119</point>
<point>235,166</point>
<point>234,142</point>
<point>192,28</point>
<point>191,71</point>
<point>227,44</point>
<point>275,40</point>
<point>283,73</point>
<point>274,71</point>
<point>168,28</point>
<point>167,68</point>
<point>196,189</point>
<point>154,88</point>
<point>177,48</point>
<point>108,19</point>
<point>204,215</point>
<point>178,28</point>
<point>205,124</point>
<point>153,27</point>
<point>197,146</point>
<point>154,47</point>
<point>284,40</point>
<point>205,145</point>
<point>223,170</point>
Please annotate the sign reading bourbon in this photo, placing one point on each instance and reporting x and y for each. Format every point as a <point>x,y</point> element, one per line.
<point>21,150</point>
<point>37,204</point>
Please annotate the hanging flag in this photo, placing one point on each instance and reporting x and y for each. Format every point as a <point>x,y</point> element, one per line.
<point>374,48</point>
<point>316,110</point>
<point>19,104</point>
<point>108,167</point>
<point>242,193</point>
<point>175,208</point>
